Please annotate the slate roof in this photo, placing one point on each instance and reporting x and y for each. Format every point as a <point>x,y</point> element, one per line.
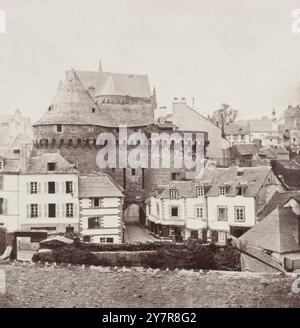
<point>100,185</point>
<point>74,105</point>
<point>276,232</point>
<point>110,84</point>
<point>39,165</point>
<point>279,199</point>
<point>257,125</point>
<point>235,129</point>
<point>252,177</point>
<point>246,149</point>
<point>272,152</point>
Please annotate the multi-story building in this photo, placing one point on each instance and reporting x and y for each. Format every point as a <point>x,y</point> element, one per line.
<point>179,211</point>
<point>236,196</point>
<point>223,202</point>
<point>237,134</point>
<point>101,209</point>
<point>49,195</point>
<point>9,193</point>
<point>264,130</point>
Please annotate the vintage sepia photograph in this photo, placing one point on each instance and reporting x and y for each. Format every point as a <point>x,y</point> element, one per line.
<point>149,156</point>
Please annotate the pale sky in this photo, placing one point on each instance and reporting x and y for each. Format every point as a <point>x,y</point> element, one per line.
<point>241,52</point>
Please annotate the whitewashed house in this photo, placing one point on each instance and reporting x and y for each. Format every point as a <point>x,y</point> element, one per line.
<point>179,211</point>
<point>235,197</point>
<point>49,195</point>
<point>101,209</point>
<point>9,193</point>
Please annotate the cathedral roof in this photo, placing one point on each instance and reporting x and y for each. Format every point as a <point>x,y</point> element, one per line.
<point>73,104</point>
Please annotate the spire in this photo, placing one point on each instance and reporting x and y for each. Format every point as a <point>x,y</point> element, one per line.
<point>100,65</point>
<point>154,102</point>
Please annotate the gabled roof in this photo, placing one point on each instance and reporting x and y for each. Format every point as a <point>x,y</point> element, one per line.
<point>74,104</point>
<point>110,84</point>
<point>98,185</point>
<point>277,232</point>
<point>185,189</point>
<point>253,177</point>
<point>39,165</point>
<point>257,125</point>
<point>246,149</point>
<point>279,199</point>
<point>235,129</point>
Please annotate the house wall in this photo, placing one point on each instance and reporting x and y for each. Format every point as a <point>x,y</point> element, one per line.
<point>186,213</point>
<point>10,195</point>
<point>111,215</point>
<point>187,119</point>
<point>230,202</point>
<point>43,198</point>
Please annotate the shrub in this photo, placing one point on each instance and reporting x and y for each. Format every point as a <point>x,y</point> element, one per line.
<point>43,257</point>
<point>228,259</point>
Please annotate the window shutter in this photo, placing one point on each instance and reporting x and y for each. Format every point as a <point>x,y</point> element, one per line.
<point>46,210</point>
<point>28,211</point>
<point>74,185</point>
<point>63,187</point>
<point>39,211</point>
<point>5,206</point>
<point>28,187</point>
<point>39,188</point>
<point>63,210</point>
<point>57,210</point>
<point>56,187</point>
<point>46,188</point>
<point>226,213</point>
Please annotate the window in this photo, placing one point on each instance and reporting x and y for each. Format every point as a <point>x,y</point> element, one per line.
<point>199,212</point>
<point>222,191</point>
<point>174,211</point>
<point>1,165</point>
<point>59,128</point>
<point>16,151</point>
<point>133,172</point>
<point>33,187</point>
<point>69,187</point>
<point>222,237</point>
<point>51,210</point>
<point>239,213</point>
<point>51,166</point>
<point>173,176</point>
<point>239,190</point>
<point>93,110</point>
<point>200,191</point>
<point>34,211</point>
<point>194,234</point>
<point>69,210</point>
<point>86,239</point>
<point>69,229</point>
<point>222,213</point>
<point>106,240</point>
<point>94,223</point>
<point>96,202</point>
<point>173,193</point>
<point>1,182</point>
<point>51,187</point>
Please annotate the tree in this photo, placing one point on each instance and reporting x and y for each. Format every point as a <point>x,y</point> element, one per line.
<point>224,115</point>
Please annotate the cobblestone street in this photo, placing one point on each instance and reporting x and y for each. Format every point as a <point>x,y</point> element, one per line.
<point>34,286</point>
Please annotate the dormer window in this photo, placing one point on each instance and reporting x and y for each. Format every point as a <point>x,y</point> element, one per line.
<point>239,190</point>
<point>173,193</point>
<point>222,191</point>
<point>51,166</point>
<point>200,191</point>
